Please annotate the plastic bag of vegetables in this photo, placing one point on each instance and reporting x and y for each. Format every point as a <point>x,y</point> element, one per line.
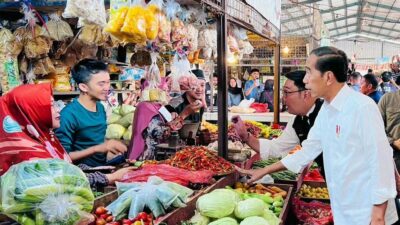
<point>48,191</point>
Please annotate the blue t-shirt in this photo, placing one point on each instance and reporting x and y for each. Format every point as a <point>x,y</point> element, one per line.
<point>81,129</point>
<point>255,93</point>
<point>376,96</point>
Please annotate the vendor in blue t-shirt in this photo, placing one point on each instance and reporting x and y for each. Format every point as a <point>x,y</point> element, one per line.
<point>252,88</point>
<point>83,121</point>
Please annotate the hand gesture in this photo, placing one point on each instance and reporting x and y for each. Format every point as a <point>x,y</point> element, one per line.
<point>253,174</point>
<point>113,146</point>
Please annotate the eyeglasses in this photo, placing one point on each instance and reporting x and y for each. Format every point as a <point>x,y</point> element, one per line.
<point>286,93</point>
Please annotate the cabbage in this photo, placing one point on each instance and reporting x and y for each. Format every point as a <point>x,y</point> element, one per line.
<point>116,110</point>
<point>254,220</point>
<point>271,217</point>
<point>126,109</point>
<point>128,134</point>
<point>235,195</point>
<point>249,207</point>
<point>198,219</point>
<point>217,204</point>
<point>224,221</point>
<point>113,118</point>
<point>114,131</point>
<point>126,120</point>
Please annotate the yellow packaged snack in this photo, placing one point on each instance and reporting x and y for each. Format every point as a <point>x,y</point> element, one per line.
<point>135,25</point>
<point>115,24</point>
<point>151,23</point>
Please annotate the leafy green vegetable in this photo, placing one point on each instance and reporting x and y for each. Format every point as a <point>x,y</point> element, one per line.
<point>217,204</point>
<point>113,118</point>
<point>115,131</point>
<point>224,221</point>
<point>126,109</point>
<point>254,220</point>
<point>198,219</point>
<point>249,207</point>
<point>126,120</point>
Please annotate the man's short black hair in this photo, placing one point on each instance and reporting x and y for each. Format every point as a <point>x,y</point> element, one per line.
<point>332,59</point>
<point>254,70</point>
<point>386,76</point>
<point>215,74</point>
<point>371,79</point>
<point>83,71</point>
<point>355,75</point>
<point>370,70</point>
<point>297,76</point>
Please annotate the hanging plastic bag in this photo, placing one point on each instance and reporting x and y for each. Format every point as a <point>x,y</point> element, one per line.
<point>59,30</point>
<point>89,11</point>
<point>172,8</point>
<point>152,22</point>
<point>10,76</point>
<point>192,36</point>
<point>135,23</point>
<point>48,191</point>
<point>179,35</point>
<point>93,34</point>
<point>182,79</point>
<point>117,21</point>
<point>153,91</point>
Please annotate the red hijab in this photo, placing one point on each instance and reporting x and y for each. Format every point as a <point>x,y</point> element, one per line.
<point>25,123</point>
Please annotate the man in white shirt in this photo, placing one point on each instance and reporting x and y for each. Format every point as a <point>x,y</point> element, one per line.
<point>357,155</point>
<point>300,103</point>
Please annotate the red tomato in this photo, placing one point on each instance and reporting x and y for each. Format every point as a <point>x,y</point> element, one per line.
<point>109,218</point>
<point>142,216</point>
<point>126,222</point>
<point>100,221</point>
<point>101,210</point>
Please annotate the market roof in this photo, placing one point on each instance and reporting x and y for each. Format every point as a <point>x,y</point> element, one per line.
<point>345,19</point>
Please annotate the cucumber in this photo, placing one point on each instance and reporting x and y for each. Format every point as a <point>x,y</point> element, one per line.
<point>24,220</point>
<point>71,180</point>
<point>39,218</point>
<point>19,208</point>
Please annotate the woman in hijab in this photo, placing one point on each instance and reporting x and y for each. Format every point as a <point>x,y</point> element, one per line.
<point>267,96</point>
<point>235,93</point>
<point>28,116</point>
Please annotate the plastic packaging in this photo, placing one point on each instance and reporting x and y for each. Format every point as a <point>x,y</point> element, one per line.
<point>59,30</point>
<point>10,76</point>
<point>192,36</point>
<point>93,34</point>
<point>182,79</point>
<point>313,213</point>
<point>169,173</point>
<point>172,8</point>
<point>89,11</point>
<point>153,92</point>
<point>156,194</point>
<point>135,23</point>
<point>48,191</point>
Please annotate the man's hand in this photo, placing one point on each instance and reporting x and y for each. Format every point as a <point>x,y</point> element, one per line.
<point>378,214</point>
<point>117,175</point>
<point>113,146</point>
<point>396,144</point>
<point>253,174</point>
<point>240,128</point>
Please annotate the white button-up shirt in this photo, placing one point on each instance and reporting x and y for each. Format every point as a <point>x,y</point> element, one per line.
<point>282,145</point>
<point>358,159</point>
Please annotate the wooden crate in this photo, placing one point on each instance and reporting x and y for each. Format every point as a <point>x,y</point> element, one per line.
<point>182,214</point>
<point>110,194</point>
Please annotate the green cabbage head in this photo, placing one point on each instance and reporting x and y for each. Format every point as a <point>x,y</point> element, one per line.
<point>217,204</point>
<point>254,220</point>
<point>249,207</point>
<point>224,221</point>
